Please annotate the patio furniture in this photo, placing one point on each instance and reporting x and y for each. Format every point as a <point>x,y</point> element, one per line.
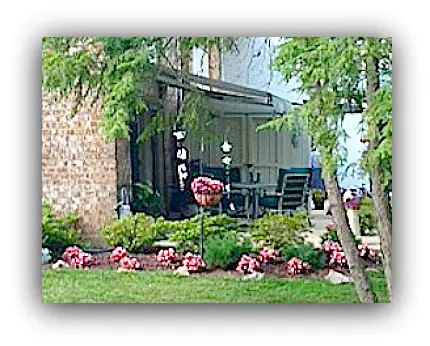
<point>292,192</point>
<point>253,193</point>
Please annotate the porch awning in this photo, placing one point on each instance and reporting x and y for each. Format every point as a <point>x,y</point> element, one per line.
<point>228,99</point>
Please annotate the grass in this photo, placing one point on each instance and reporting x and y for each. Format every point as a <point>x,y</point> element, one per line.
<point>107,286</point>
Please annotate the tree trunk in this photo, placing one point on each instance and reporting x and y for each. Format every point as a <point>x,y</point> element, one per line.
<point>379,199</point>
<point>214,60</point>
<point>383,222</point>
<point>356,269</point>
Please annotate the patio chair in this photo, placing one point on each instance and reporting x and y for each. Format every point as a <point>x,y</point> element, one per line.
<point>292,192</point>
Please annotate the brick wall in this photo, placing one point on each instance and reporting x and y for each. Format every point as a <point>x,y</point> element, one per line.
<point>79,170</point>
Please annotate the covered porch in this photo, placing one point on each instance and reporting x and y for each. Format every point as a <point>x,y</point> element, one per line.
<point>256,156</point>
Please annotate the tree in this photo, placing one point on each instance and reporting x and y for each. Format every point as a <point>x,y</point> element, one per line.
<point>112,70</point>
<point>378,119</point>
<point>120,74</point>
<point>329,74</point>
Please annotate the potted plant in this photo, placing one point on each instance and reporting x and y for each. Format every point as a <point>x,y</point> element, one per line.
<point>318,196</point>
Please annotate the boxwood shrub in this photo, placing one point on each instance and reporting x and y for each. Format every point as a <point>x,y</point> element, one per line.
<point>275,230</point>
<point>133,232</point>
<point>59,232</point>
<point>186,233</point>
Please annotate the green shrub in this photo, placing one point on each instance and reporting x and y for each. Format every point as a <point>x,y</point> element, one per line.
<point>186,233</point>
<point>133,232</point>
<point>162,228</point>
<point>366,215</point>
<point>330,235</point>
<point>274,230</point>
<point>59,232</point>
<point>305,252</point>
<point>223,252</point>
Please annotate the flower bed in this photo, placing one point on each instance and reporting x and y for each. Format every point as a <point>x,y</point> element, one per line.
<point>306,262</point>
<point>245,266</point>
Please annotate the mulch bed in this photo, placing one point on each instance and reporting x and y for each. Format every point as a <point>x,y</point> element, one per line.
<point>275,270</point>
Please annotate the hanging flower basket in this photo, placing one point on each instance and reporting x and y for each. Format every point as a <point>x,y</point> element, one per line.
<point>207,191</point>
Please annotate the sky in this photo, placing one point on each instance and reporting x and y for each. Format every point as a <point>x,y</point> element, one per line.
<point>354,147</point>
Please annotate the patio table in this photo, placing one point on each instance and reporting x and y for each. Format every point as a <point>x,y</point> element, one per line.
<point>254,190</point>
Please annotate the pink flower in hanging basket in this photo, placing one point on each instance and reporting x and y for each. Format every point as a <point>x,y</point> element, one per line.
<point>207,191</point>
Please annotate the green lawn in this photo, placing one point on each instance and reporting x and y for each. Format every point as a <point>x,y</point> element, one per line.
<point>108,286</point>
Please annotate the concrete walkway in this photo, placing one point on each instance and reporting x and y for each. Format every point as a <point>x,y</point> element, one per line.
<point>320,221</point>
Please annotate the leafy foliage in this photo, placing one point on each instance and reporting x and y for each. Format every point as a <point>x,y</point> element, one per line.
<point>99,68</point>
<point>187,232</point>
<point>366,215</point>
<point>162,228</point>
<point>331,235</point>
<point>275,230</point>
<point>332,72</point>
<point>306,253</point>
<point>378,117</point>
<point>197,114</point>
<point>147,199</point>
<point>318,194</point>
<point>59,232</point>
<point>224,252</point>
<point>132,232</point>
<point>112,69</point>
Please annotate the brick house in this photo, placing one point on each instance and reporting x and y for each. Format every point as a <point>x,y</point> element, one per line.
<point>82,172</point>
<point>79,169</point>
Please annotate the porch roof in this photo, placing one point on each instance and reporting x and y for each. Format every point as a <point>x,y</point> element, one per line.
<point>227,98</point>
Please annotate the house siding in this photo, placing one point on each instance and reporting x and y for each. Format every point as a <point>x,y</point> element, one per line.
<point>249,66</point>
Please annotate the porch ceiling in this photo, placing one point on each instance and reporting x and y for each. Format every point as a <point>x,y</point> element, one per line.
<point>228,99</point>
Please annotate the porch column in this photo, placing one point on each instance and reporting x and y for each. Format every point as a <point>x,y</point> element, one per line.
<point>245,147</point>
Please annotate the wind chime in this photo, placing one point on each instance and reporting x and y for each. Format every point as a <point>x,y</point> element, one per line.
<point>181,151</point>
<point>226,148</point>
<point>181,157</point>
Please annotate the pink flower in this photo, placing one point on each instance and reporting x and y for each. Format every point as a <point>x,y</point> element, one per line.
<point>205,185</point>
<point>117,254</point>
<point>365,252</point>
<point>335,253</point>
<point>248,265</point>
<point>130,263</point>
<point>193,262</point>
<point>75,257</point>
<point>296,266</point>
<point>125,263</point>
<point>168,257</point>
<point>266,255</point>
